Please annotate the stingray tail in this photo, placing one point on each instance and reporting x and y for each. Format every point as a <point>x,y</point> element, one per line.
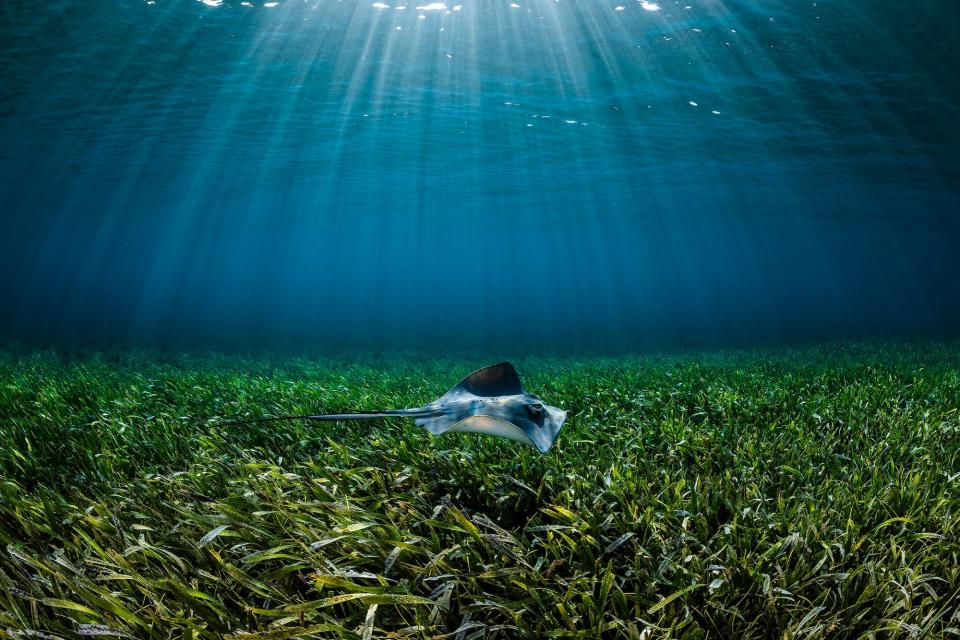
<point>333,417</point>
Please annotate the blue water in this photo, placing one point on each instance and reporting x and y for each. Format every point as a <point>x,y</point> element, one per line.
<point>544,173</point>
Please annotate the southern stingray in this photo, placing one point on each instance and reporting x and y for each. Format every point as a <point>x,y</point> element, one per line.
<point>491,400</point>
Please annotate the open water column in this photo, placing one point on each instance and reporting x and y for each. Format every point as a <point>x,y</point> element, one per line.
<point>535,172</point>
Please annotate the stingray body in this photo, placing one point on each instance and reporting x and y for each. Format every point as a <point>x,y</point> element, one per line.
<point>491,400</point>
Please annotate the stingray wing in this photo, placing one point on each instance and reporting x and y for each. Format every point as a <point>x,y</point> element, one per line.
<point>496,380</point>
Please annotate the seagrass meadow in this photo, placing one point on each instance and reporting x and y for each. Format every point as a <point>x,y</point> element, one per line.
<point>785,493</point>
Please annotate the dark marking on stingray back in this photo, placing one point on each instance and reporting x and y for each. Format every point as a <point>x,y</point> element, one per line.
<point>496,380</point>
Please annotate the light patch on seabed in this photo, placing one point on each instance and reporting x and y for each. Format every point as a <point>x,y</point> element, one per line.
<point>433,6</point>
<point>380,5</point>
<point>649,6</point>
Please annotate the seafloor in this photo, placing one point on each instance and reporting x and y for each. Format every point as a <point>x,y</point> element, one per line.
<point>804,492</point>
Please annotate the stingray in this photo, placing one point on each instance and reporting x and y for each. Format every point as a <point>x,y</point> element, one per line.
<point>491,401</point>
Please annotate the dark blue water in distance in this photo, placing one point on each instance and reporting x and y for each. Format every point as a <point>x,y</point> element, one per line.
<point>549,173</point>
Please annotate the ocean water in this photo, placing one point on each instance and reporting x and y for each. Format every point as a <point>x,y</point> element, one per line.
<point>546,173</point>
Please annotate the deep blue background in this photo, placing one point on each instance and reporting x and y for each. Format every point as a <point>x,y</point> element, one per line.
<point>331,173</point>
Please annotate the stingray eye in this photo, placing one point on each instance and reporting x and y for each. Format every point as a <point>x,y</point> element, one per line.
<point>536,407</point>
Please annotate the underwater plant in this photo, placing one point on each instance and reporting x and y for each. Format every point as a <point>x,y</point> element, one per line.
<point>800,493</point>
